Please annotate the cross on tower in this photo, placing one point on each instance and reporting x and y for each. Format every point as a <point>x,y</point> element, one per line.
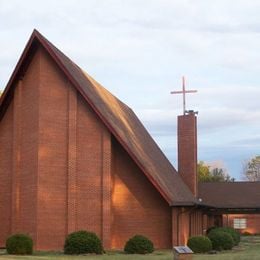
<point>183,91</point>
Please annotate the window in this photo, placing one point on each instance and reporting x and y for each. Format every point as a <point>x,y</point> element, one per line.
<point>239,223</point>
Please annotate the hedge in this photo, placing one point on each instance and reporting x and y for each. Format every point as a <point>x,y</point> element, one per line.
<point>199,244</point>
<point>19,244</point>
<point>82,242</point>
<point>139,245</point>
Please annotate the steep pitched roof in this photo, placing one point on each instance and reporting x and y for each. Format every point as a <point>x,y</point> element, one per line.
<point>231,195</point>
<point>118,117</point>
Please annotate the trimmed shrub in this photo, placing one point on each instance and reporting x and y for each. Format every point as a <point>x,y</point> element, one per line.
<point>82,242</point>
<point>221,240</point>
<point>19,244</point>
<point>199,244</point>
<point>209,229</point>
<point>234,233</point>
<point>139,245</point>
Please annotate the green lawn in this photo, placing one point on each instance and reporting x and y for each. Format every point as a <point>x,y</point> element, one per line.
<point>249,249</point>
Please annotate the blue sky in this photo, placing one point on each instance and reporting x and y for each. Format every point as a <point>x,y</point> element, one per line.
<point>140,49</point>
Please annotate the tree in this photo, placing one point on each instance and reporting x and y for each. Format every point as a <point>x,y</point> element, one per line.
<point>203,172</point>
<point>206,174</point>
<point>220,175</point>
<point>251,171</point>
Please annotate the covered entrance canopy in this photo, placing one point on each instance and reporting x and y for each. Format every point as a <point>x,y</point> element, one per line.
<point>232,204</point>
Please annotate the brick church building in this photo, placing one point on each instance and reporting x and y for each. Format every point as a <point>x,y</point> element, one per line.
<point>75,157</point>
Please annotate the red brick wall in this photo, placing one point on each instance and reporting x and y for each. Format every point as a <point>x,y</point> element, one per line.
<point>187,150</point>
<point>184,225</point>
<point>137,208</point>
<point>180,225</point>
<point>253,222</point>
<point>27,139</point>
<point>196,223</point>
<point>55,161</point>
<point>74,163</point>
<point>52,156</point>
<point>56,170</point>
<point>89,169</point>
<point>186,222</point>
<point>19,157</point>
<point>6,158</point>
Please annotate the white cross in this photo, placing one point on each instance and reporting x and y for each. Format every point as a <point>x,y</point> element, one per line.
<point>184,91</point>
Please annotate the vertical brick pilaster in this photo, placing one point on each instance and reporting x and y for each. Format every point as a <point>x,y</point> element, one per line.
<point>106,189</point>
<point>16,159</point>
<point>175,230</point>
<point>196,221</point>
<point>184,225</point>
<point>204,223</point>
<point>72,164</point>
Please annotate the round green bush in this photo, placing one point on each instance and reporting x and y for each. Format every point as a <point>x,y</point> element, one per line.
<point>199,244</point>
<point>82,242</point>
<point>139,245</point>
<point>234,233</point>
<point>19,244</point>
<point>221,240</point>
<point>210,229</point>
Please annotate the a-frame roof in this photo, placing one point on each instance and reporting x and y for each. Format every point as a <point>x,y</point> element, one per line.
<point>118,117</point>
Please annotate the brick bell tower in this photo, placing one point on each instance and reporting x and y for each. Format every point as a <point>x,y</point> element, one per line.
<point>187,143</point>
<point>187,150</point>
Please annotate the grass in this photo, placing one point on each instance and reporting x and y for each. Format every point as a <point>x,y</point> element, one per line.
<point>111,255</point>
<point>249,249</point>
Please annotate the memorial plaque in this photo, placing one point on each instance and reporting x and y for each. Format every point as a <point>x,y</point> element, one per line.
<point>183,250</point>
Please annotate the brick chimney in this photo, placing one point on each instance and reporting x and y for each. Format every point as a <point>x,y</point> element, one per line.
<point>187,150</point>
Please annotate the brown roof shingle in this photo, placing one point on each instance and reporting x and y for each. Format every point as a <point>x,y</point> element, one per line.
<point>120,120</point>
<point>232,195</point>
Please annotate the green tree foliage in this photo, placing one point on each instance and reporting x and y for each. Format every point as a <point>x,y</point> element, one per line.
<point>251,170</point>
<point>205,174</point>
